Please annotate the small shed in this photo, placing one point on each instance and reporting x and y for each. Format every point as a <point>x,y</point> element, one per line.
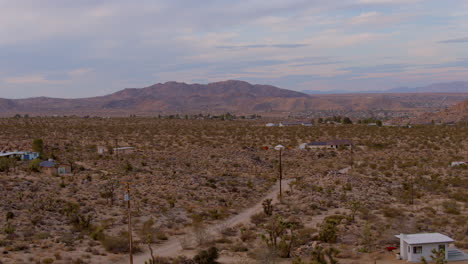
<point>101,149</point>
<point>50,167</point>
<point>340,143</point>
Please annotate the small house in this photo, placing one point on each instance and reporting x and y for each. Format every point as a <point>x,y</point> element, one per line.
<point>124,150</point>
<point>287,124</point>
<point>29,155</point>
<point>23,155</point>
<point>337,143</point>
<point>297,123</point>
<point>63,169</point>
<point>50,167</point>
<point>101,149</point>
<point>316,145</point>
<point>458,163</point>
<point>415,246</point>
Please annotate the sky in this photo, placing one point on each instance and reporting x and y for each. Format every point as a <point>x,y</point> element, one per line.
<point>70,48</point>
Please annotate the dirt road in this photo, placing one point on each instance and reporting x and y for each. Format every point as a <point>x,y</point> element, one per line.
<point>173,247</point>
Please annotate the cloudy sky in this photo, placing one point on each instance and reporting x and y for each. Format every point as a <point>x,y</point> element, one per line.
<point>78,48</point>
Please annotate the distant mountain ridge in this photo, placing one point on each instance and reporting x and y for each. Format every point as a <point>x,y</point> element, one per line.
<point>220,97</point>
<point>449,87</point>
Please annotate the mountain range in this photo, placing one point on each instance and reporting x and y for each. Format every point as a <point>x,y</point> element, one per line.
<point>450,87</point>
<point>227,96</point>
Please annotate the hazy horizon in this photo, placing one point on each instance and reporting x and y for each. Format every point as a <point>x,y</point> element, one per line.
<point>74,49</point>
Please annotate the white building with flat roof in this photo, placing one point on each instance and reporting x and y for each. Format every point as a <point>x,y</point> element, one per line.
<point>415,246</point>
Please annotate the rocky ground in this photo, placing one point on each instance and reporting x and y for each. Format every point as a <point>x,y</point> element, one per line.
<point>189,174</point>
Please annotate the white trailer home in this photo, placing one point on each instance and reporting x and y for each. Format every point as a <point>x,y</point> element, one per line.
<point>415,246</point>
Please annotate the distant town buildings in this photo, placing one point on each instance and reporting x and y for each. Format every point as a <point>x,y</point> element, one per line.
<point>288,124</point>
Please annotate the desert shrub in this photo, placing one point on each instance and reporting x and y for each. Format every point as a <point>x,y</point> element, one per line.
<point>451,207</point>
<point>303,236</point>
<point>5,164</point>
<point>161,235</point>
<point>390,212</point>
<point>259,218</point>
<point>9,228</point>
<point>229,231</point>
<point>239,248</point>
<point>208,256</point>
<point>459,196</point>
<point>118,244</point>
<point>247,235</point>
<point>34,165</point>
<point>48,261</point>
<point>328,229</point>
<point>97,233</point>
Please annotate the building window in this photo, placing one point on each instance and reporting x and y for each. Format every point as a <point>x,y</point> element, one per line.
<point>442,248</point>
<point>417,250</point>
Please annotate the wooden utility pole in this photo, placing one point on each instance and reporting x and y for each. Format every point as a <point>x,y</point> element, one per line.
<point>129,211</point>
<point>412,190</point>
<point>280,173</point>
<point>116,151</point>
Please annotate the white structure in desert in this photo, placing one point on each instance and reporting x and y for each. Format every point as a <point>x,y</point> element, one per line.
<point>415,246</point>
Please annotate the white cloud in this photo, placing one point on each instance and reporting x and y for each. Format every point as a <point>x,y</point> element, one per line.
<point>128,43</point>
<point>30,79</point>
<point>365,18</point>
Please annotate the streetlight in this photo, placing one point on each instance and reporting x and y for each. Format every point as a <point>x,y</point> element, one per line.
<point>280,148</point>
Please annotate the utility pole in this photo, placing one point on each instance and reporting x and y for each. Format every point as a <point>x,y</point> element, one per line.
<point>412,190</point>
<point>116,150</point>
<point>129,211</point>
<point>280,149</point>
<point>280,173</point>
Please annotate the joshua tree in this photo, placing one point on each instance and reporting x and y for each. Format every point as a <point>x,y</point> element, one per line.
<point>267,207</point>
<point>38,145</point>
<point>354,206</point>
<point>319,255</point>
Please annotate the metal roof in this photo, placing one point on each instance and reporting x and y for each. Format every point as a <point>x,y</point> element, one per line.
<point>3,154</point>
<point>124,148</point>
<point>47,164</point>
<point>425,238</point>
<point>317,143</point>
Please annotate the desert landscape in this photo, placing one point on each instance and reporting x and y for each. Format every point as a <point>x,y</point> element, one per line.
<point>213,185</point>
<point>233,132</point>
